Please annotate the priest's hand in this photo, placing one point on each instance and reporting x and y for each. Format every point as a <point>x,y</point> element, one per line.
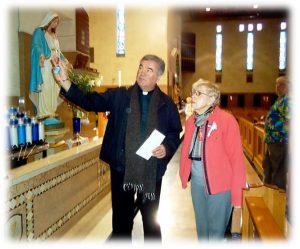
<point>60,73</point>
<point>159,151</point>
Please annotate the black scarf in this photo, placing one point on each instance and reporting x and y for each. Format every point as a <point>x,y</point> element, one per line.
<point>140,174</point>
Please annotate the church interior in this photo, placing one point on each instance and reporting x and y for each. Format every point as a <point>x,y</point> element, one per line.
<point>59,189</point>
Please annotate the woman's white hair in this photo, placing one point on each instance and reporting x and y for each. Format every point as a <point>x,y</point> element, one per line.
<point>212,89</point>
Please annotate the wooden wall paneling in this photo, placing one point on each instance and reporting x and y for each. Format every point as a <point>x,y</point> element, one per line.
<point>240,100</point>
<point>188,52</point>
<point>25,57</point>
<point>248,100</point>
<point>232,100</point>
<point>82,31</point>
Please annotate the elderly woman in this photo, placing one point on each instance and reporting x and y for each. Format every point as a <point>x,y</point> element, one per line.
<point>212,159</point>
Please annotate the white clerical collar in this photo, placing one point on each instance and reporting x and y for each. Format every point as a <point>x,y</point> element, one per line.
<point>145,93</point>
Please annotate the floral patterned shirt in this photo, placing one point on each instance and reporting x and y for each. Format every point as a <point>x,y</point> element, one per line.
<point>277,121</point>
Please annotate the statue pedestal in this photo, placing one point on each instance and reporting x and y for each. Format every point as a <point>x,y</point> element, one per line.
<point>55,139</point>
<point>53,124</point>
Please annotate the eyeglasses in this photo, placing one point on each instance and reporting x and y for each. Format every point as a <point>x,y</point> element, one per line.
<point>198,93</point>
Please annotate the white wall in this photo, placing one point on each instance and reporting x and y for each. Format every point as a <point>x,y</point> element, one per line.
<point>13,84</point>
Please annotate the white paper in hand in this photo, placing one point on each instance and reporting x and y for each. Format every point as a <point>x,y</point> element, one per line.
<point>154,140</point>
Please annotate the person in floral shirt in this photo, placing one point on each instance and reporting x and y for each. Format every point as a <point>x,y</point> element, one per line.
<point>276,137</point>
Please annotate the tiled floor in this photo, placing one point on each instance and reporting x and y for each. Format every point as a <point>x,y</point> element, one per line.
<point>175,215</point>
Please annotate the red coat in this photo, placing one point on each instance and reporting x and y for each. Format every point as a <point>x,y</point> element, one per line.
<point>223,161</point>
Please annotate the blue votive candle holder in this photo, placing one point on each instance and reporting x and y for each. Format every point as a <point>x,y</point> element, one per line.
<point>76,126</point>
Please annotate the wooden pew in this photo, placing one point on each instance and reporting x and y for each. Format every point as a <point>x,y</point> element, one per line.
<point>259,147</point>
<point>251,114</point>
<point>252,135</point>
<point>247,134</point>
<point>263,213</point>
<point>262,224</point>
